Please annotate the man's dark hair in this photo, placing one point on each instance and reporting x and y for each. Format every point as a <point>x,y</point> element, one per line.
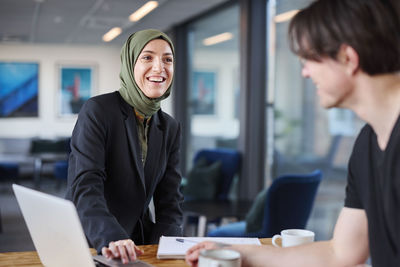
<point>371,27</point>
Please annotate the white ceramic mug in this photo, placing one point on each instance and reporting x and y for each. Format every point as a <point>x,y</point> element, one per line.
<point>293,237</point>
<point>219,258</point>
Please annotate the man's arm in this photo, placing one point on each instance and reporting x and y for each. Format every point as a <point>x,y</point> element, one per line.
<point>348,247</point>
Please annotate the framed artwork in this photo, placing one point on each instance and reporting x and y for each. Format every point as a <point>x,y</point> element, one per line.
<point>19,89</point>
<point>76,83</point>
<point>203,93</point>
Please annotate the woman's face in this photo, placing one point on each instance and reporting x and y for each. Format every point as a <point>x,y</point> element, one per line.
<point>154,68</point>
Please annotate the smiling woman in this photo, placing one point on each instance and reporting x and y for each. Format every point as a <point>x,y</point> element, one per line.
<point>153,55</point>
<point>154,68</point>
<point>125,154</point>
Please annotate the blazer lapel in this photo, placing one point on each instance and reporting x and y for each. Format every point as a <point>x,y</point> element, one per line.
<point>155,144</point>
<point>133,139</point>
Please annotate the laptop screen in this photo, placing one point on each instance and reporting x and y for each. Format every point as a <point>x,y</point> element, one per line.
<point>55,228</point>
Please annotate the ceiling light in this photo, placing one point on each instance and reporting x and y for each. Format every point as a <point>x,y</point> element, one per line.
<point>219,38</point>
<point>143,11</point>
<point>285,16</point>
<point>111,34</point>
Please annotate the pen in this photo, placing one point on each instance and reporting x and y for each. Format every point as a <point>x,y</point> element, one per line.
<point>182,240</point>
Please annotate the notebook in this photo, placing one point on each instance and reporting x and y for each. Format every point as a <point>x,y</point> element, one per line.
<point>56,231</point>
<point>174,247</point>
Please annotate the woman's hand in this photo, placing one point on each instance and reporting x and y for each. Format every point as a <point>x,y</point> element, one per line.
<point>124,249</point>
<point>192,255</point>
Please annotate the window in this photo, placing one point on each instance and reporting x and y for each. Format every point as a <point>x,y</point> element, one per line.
<point>306,136</point>
<point>213,81</point>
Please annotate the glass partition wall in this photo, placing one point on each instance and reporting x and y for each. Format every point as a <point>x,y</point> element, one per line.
<point>305,136</point>
<point>300,136</point>
<point>213,92</point>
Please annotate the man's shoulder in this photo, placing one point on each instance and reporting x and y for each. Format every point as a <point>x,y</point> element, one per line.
<point>361,149</point>
<point>364,136</point>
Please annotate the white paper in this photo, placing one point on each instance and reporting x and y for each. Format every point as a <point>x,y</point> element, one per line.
<point>170,248</point>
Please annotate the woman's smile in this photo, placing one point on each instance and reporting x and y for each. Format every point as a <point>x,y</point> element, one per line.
<point>154,68</point>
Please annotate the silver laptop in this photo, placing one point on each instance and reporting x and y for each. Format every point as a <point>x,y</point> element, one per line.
<point>56,231</point>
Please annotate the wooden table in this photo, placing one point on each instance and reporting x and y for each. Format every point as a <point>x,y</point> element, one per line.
<point>30,258</point>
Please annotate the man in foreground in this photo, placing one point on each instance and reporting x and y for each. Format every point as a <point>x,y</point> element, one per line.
<point>351,51</point>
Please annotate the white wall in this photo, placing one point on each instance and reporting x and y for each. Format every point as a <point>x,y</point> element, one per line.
<point>49,124</point>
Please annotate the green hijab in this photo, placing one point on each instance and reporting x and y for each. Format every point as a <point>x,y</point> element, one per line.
<point>129,90</point>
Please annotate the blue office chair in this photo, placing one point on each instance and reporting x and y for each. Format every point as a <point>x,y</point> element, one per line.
<point>8,171</point>
<point>61,172</point>
<point>230,165</point>
<point>288,204</point>
<point>61,166</point>
<point>230,159</point>
<point>61,169</point>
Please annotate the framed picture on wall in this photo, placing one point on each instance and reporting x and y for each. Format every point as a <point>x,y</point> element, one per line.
<point>203,95</point>
<point>19,89</point>
<point>76,85</point>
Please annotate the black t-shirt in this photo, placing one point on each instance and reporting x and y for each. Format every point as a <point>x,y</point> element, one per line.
<point>374,185</point>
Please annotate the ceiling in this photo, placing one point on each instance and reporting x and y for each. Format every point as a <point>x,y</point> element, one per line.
<point>86,21</point>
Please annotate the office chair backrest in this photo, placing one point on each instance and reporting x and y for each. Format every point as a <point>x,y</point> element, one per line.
<point>61,169</point>
<point>61,166</point>
<point>230,159</point>
<point>9,170</point>
<point>61,145</point>
<point>289,202</point>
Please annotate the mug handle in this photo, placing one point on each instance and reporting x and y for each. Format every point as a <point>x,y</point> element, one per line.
<point>274,238</point>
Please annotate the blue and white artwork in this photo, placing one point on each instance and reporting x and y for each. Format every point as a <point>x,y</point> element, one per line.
<point>19,89</point>
<point>76,88</point>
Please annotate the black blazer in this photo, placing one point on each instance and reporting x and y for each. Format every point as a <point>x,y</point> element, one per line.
<point>106,179</point>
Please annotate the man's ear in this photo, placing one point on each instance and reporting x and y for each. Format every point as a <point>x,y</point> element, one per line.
<point>349,57</point>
